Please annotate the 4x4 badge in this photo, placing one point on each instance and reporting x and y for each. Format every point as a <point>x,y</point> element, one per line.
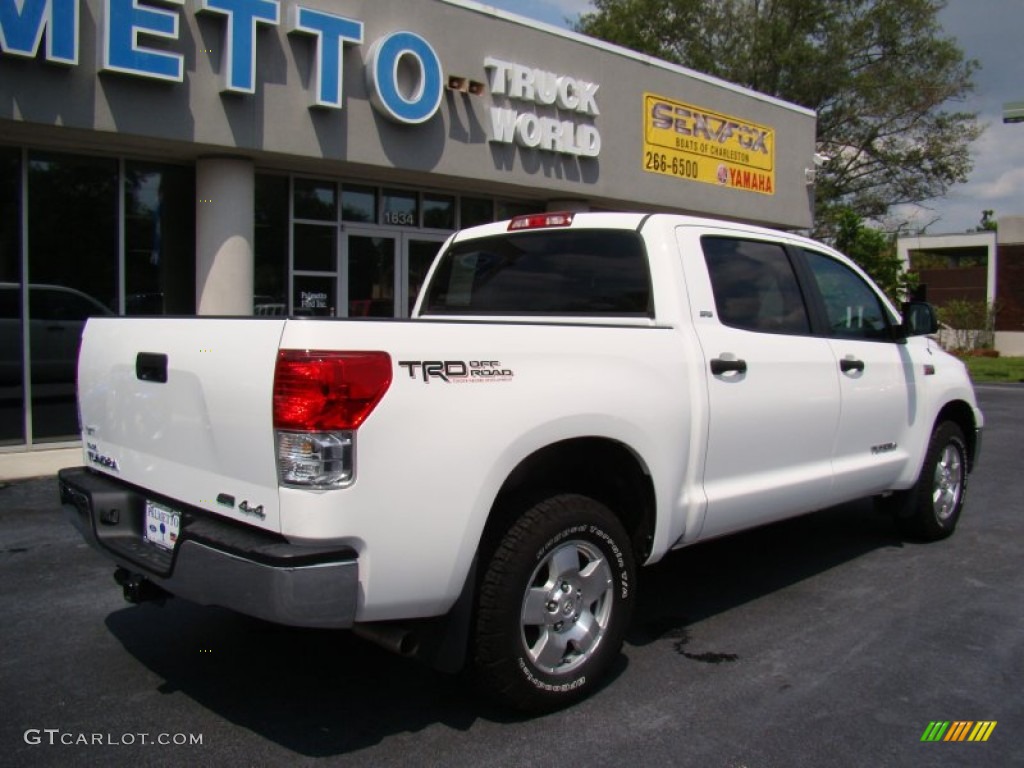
<point>254,511</point>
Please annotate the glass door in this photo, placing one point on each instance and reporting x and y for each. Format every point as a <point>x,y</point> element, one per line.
<point>385,270</point>
<point>420,251</point>
<point>371,271</point>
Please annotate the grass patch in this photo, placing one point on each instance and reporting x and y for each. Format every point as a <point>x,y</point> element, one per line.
<point>995,369</point>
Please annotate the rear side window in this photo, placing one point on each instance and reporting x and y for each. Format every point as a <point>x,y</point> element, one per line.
<point>584,272</point>
<point>755,286</point>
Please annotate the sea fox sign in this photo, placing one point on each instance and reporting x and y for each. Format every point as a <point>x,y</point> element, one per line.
<point>404,74</point>
<point>697,144</point>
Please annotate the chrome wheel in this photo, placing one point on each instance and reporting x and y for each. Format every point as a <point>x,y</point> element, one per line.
<point>553,604</point>
<point>948,483</point>
<point>930,510</point>
<point>567,606</point>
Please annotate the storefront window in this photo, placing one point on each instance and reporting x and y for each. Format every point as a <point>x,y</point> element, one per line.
<point>359,204</point>
<point>316,248</point>
<point>12,363</point>
<point>72,270</point>
<point>270,246</point>
<point>401,208</point>
<point>475,210</point>
<point>315,295</point>
<point>506,209</point>
<point>159,249</point>
<point>439,211</point>
<point>316,200</point>
<point>306,232</point>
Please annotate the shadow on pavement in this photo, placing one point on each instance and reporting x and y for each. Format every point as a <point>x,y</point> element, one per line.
<point>320,693</point>
<point>692,584</point>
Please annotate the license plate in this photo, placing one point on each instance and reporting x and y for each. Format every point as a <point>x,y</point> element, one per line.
<point>162,525</point>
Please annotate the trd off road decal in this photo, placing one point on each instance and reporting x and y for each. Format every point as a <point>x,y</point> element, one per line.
<point>457,371</point>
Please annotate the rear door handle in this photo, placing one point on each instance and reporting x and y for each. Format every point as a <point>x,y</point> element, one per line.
<point>848,364</point>
<point>720,366</point>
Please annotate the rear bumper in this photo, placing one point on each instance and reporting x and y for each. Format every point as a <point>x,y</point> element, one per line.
<point>215,562</point>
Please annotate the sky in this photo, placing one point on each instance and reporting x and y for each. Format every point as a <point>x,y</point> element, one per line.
<point>991,31</point>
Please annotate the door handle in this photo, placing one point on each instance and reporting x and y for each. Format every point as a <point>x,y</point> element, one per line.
<point>720,366</point>
<point>848,364</point>
<point>151,366</point>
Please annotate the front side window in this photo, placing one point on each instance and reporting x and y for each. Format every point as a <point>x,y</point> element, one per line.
<point>583,272</point>
<point>755,286</point>
<point>854,310</point>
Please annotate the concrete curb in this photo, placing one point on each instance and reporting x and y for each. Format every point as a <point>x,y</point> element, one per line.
<point>20,466</point>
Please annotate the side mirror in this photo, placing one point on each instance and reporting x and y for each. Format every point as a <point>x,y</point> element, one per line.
<point>919,319</point>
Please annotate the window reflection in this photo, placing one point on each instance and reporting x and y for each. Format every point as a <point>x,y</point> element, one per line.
<point>475,210</point>
<point>270,246</point>
<point>371,276</point>
<point>315,295</point>
<point>159,227</point>
<point>439,211</point>
<point>359,204</point>
<point>315,200</point>
<point>12,394</point>
<point>506,209</point>
<point>316,248</point>
<point>421,256</point>
<point>72,270</point>
<point>401,209</point>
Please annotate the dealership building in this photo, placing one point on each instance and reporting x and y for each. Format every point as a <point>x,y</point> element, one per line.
<point>308,157</point>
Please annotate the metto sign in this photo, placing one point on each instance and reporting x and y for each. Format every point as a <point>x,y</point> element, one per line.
<point>124,22</point>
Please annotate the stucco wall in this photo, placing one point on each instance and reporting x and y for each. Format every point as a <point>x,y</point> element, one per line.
<point>74,106</point>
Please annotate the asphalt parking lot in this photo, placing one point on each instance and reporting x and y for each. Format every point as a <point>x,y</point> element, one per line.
<point>823,641</point>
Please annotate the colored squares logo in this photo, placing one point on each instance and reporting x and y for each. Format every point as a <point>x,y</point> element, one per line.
<point>958,730</point>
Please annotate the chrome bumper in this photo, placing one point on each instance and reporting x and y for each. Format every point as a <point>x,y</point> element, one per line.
<point>215,562</point>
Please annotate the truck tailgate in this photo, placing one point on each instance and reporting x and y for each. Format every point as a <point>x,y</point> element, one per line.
<point>183,408</point>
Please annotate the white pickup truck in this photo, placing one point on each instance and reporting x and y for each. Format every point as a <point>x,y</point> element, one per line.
<point>575,395</point>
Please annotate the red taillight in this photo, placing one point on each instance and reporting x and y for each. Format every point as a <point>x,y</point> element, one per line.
<point>323,391</point>
<point>540,221</point>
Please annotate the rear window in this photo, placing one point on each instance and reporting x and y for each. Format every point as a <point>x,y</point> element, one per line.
<point>584,272</point>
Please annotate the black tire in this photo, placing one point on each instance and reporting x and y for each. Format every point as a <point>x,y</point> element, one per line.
<point>554,605</point>
<point>929,511</point>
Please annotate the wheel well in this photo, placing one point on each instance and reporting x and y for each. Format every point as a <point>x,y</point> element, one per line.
<point>603,469</point>
<point>961,414</point>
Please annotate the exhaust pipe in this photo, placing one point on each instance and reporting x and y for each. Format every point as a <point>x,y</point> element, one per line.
<point>138,589</point>
<point>392,637</point>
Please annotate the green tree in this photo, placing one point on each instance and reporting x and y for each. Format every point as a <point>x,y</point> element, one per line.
<point>875,252</point>
<point>879,73</point>
<point>988,223</point>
